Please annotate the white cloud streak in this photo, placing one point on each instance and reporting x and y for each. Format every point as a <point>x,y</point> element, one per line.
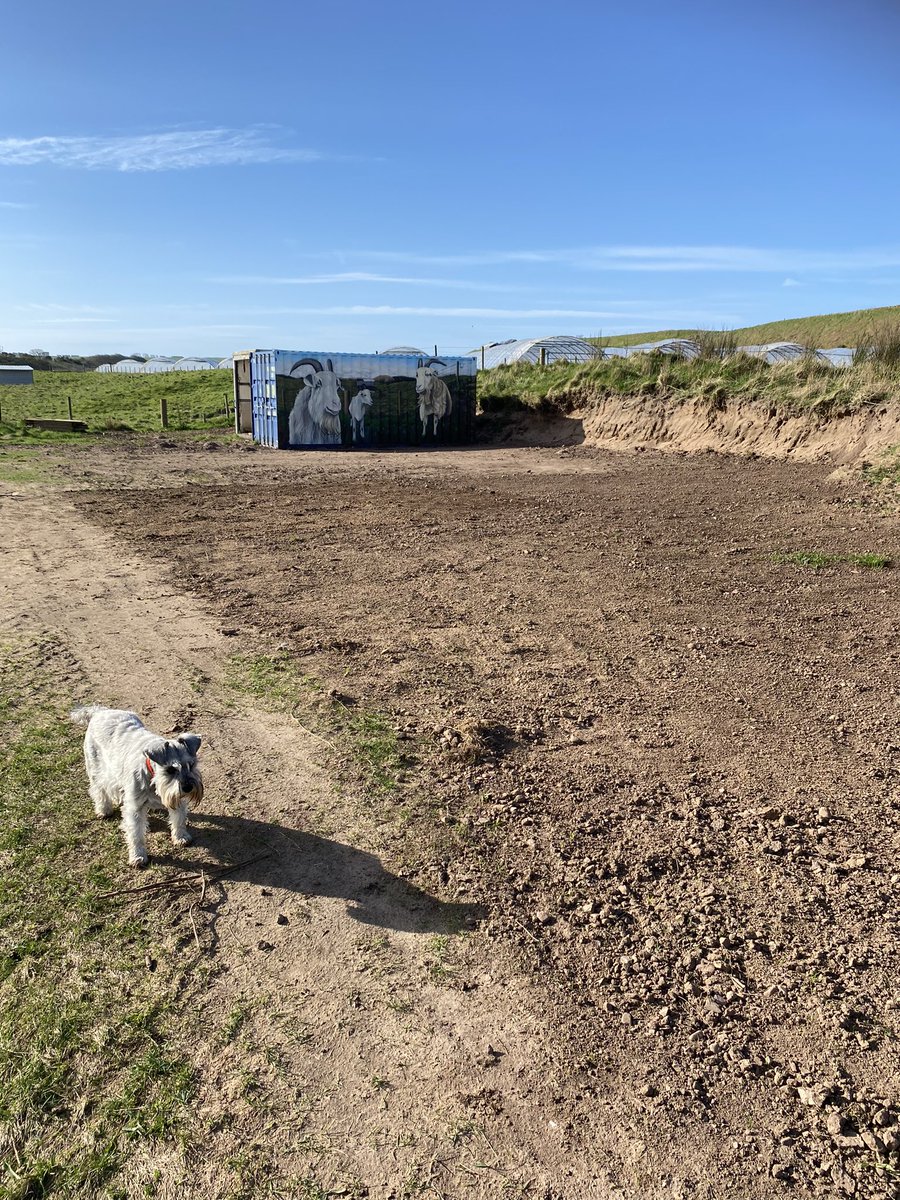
<point>737,259</point>
<point>176,150</point>
<point>390,310</point>
<point>356,277</point>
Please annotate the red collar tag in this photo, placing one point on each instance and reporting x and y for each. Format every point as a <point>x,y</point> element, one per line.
<point>149,766</point>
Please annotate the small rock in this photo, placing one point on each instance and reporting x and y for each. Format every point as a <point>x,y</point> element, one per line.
<point>834,1123</point>
<point>813,1097</point>
<point>281,919</point>
<point>265,946</point>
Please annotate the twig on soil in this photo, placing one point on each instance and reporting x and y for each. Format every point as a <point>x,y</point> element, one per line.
<point>180,882</point>
<point>194,927</point>
<point>194,905</point>
<point>534,937</point>
<point>312,733</point>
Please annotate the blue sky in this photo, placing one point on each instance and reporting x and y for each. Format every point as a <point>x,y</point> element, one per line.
<point>203,177</point>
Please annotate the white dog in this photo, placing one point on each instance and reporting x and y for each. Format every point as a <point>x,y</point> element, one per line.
<point>132,768</point>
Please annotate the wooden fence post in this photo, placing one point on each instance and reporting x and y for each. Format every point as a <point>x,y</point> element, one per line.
<point>164,412</point>
<point>69,398</point>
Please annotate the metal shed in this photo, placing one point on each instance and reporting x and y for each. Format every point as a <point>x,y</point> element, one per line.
<point>301,398</point>
<point>16,373</point>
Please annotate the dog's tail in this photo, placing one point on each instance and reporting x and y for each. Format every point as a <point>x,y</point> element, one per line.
<point>81,716</point>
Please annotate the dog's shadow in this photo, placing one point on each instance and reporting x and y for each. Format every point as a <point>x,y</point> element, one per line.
<point>315,866</point>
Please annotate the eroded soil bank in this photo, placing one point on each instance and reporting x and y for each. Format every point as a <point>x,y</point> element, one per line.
<point>743,427</point>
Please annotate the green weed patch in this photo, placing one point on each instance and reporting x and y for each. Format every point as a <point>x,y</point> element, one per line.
<point>368,739</point>
<point>817,560</point>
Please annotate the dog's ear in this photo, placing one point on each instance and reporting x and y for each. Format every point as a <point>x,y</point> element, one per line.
<point>159,756</point>
<point>191,742</point>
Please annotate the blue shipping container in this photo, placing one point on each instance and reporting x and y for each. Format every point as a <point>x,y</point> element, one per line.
<point>306,398</point>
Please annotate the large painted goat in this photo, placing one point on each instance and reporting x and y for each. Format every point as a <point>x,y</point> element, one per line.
<point>315,419</point>
<point>433,393</point>
<point>359,406</point>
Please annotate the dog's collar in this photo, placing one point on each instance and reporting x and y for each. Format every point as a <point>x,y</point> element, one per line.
<point>149,765</point>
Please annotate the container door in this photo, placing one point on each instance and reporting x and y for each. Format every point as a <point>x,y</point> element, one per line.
<point>243,397</point>
<point>265,411</point>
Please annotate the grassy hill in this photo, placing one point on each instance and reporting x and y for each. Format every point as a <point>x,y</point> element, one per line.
<point>833,329</point>
<point>196,400</point>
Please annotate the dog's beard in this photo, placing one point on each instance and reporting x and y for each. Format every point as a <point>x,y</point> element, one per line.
<point>171,796</point>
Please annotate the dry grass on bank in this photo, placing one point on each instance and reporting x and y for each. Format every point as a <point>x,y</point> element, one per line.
<point>803,385</point>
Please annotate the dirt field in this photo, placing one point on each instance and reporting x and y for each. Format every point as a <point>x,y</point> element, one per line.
<point>614,914</point>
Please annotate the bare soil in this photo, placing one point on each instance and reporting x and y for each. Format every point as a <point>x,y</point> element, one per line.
<point>655,773</point>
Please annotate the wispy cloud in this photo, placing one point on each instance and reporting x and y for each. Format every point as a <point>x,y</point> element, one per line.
<point>359,277</point>
<point>658,258</point>
<point>391,310</point>
<point>792,283</point>
<point>13,204</point>
<point>176,150</point>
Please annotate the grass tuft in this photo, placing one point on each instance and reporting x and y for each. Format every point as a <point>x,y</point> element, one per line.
<point>816,560</point>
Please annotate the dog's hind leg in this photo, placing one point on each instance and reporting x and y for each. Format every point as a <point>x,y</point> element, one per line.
<point>181,835</point>
<point>103,805</point>
<point>134,827</point>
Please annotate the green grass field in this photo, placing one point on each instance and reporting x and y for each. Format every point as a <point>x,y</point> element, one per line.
<point>824,332</point>
<point>196,400</point>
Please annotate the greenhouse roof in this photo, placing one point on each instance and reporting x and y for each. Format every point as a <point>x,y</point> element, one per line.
<point>561,348</point>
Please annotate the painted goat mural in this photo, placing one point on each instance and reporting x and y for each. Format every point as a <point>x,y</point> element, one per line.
<point>306,399</point>
<point>435,401</point>
<point>359,406</point>
<point>315,419</point>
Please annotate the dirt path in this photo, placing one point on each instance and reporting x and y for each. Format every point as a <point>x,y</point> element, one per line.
<point>388,1073</point>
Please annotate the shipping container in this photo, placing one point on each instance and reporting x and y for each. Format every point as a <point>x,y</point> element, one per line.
<point>16,373</point>
<point>301,398</point>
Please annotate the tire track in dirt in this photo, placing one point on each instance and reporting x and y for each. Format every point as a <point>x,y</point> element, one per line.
<point>378,1076</point>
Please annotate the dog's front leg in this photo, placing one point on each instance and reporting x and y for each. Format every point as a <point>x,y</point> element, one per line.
<point>134,827</point>
<point>181,835</point>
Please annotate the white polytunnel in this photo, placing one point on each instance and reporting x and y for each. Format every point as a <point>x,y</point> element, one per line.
<point>678,347</point>
<point>561,348</point>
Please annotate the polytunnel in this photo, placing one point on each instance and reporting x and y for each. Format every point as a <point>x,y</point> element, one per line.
<point>781,352</point>
<point>678,347</point>
<point>195,364</point>
<point>555,349</point>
